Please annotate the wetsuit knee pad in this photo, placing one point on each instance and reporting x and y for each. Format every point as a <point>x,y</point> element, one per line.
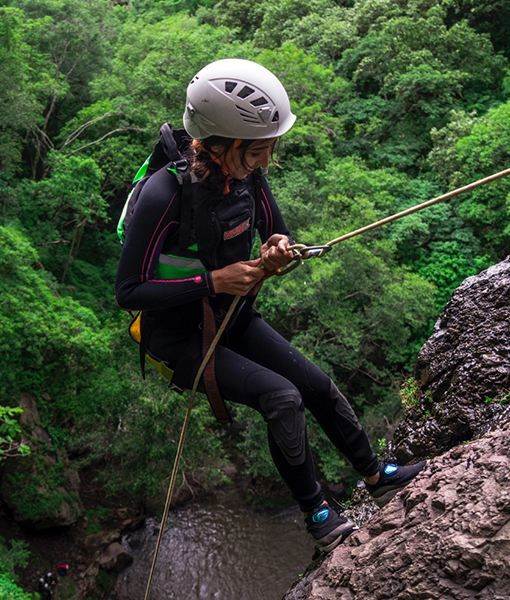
<point>284,412</point>
<point>342,406</point>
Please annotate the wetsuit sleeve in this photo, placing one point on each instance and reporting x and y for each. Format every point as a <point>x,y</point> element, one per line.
<point>155,216</point>
<point>271,218</point>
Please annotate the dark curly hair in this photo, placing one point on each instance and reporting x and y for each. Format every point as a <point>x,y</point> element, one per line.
<point>200,155</point>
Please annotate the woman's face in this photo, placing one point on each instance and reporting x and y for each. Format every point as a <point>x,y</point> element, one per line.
<point>257,154</point>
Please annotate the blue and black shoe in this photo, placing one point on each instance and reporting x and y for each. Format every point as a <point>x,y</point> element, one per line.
<point>327,527</point>
<point>392,478</point>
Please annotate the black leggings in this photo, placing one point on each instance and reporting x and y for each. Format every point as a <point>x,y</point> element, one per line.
<point>256,366</point>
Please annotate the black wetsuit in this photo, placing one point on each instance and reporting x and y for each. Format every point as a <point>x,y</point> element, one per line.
<point>255,365</point>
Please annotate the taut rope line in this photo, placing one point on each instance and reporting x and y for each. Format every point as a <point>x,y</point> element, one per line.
<point>301,252</point>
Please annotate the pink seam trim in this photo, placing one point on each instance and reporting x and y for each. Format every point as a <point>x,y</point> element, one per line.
<point>157,244</point>
<point>269,209</point>
<point>153,234</point>
<point>195,278</point>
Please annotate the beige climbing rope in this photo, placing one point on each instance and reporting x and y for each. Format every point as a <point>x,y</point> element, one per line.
<point>303,252</point>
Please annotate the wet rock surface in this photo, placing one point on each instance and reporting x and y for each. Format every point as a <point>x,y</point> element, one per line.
<point>115,558</point>
<point>463,370</point>
<point>447,535</point>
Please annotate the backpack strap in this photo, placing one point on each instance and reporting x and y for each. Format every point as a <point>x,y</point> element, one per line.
<point>258,179</point>
<point>186,221</point>
<point>168,142</point>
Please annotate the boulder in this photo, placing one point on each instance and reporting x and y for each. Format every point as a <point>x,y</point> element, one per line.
<point>115,558</point>
<point>447,534</point>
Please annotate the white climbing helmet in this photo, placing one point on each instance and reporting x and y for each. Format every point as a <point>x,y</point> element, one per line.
<point>236,98</point>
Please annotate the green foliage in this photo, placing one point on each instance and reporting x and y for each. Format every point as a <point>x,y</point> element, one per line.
<point>409,393</point>
<point>142,445</point>
<point>11,591</point>
<point>40,490</point>
<point>10,433</point>
<point>47,341</point>
<point>95,517</point>
<point>381,445</point>
<point>18,102</point>
<point>16,555</point>
<point>503,398</point>
<point>55,210</point>
<point>415,69</point>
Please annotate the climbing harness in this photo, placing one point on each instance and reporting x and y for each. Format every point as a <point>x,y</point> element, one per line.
<point>301,253</point>
<point>214,231</point>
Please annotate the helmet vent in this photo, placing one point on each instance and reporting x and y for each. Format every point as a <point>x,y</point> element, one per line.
<point>259,101</point>
<point>244,111</point>
<point>230,85</point>
<point>246,91</point>
<point>275,118</point>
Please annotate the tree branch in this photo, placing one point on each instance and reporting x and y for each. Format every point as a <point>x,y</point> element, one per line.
<point>81,128</point>
<point>106,135</point>
<point>45,137</point>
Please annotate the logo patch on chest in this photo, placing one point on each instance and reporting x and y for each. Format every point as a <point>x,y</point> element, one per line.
<point>237,230</point>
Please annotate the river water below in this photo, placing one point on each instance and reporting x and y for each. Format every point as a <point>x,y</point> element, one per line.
<point>218,549</point>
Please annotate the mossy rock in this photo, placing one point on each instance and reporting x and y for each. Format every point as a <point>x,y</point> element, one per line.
<point>41,489</point>
<point>41,492</point>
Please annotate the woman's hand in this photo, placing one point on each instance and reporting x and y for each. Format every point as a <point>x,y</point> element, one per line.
<point>238,278</point>
<point>275,252</point>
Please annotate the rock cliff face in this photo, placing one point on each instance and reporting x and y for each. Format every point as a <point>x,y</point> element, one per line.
<point>447,535</point>
<point>463,370</point>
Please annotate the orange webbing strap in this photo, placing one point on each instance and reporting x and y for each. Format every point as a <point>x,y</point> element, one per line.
<point>218,407</point>
<point>135,329</point>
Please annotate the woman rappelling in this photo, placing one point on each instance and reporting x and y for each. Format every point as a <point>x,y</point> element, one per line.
<point>187,254</point>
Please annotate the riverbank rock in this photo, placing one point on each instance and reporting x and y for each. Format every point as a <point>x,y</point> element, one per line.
<point>445,536</point>
<point>463,370</point>
<point>41,489</point>
<point>115,558</point>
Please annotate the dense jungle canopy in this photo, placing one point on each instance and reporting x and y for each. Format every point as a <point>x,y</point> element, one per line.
<point>396,101</point>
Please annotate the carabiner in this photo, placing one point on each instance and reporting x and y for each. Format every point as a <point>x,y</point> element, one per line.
<point>302,252</point>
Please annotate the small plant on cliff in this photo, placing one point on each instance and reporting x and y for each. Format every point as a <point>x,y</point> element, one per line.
<point>503,398</point>
<point>409,393</point>
<point>381,445</point>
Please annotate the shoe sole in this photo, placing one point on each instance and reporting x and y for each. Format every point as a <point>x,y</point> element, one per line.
<point>383,499</point>
<point>343,532</point>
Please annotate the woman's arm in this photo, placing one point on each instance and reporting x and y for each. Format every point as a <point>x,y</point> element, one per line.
<point>156,215</point>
